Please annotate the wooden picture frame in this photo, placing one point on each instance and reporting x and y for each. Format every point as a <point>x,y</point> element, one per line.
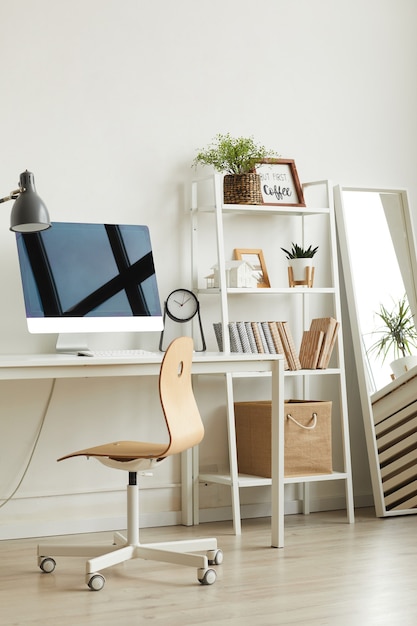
<point>280,184</point>
<point>256,259</point>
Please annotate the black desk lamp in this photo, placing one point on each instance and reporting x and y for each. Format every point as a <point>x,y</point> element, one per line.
<point>29,214</point>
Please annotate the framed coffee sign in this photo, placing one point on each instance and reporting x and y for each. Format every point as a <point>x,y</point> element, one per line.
<point>279,182</point>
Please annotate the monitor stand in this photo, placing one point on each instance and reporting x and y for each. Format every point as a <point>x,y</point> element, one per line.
<point>71,342</point>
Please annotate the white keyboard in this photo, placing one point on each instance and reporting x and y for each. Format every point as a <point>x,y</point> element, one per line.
<point>117,353</point>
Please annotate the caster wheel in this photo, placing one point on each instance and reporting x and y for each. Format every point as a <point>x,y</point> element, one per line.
<point>215,557</point>
<point>47,564</point>
<point>96,582</point>
<point>208,578</point>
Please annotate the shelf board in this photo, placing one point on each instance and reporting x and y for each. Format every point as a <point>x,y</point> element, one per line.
<point>317,372</point>
<point>270,290</point>
<point>265,209</point>
<point>332,371</point>
<point>312,478</point>
<point>274,209</point>
<point>246,480</point>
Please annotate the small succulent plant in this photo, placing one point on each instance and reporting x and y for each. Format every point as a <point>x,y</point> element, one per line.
<point>298,252</point>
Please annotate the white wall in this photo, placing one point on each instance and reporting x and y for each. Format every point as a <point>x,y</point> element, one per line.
<point>107,101</point>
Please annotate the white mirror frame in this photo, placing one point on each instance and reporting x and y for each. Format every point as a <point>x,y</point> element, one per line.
<point>393,480</point>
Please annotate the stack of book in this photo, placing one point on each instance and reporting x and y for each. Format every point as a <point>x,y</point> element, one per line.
<point>276,338</point>
<point>261,337</point>
<point>317,343</point>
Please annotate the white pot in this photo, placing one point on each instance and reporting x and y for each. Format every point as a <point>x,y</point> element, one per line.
<point>299,268</point>
<point>403,365</point>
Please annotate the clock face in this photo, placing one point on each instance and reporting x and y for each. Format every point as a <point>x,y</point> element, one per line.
<point>181,305</point>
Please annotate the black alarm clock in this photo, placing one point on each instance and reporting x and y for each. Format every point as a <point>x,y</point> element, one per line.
<point>182,306</point>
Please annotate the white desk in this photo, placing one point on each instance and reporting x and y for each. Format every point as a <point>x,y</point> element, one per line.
<point>53,366</point>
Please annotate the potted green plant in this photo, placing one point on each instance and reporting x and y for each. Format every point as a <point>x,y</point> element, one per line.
<point>236,157</point>
<point>300,270</point>
<point>397,336</point>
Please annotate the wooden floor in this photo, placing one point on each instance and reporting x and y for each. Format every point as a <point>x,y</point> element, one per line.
<point>329,572</point>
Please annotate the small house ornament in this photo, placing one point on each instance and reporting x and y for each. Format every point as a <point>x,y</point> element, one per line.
<point>239,274</point>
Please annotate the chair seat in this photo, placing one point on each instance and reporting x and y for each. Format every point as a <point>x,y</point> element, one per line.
<point>123,451</point>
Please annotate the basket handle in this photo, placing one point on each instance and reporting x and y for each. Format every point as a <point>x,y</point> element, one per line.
<point>314,416</point>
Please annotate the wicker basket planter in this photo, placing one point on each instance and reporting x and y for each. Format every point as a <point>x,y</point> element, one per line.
<point>242,189</point>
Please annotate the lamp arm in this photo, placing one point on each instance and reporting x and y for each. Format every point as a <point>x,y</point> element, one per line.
<point>12,196</point>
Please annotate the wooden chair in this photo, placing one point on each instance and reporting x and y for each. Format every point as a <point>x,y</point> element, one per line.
<point>185,430</point>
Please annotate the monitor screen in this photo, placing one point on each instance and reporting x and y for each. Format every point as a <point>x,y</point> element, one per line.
<point>84,278</point>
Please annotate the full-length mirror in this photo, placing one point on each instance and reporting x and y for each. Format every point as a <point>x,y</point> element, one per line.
<point>381,258</point>
<point>378,254</point>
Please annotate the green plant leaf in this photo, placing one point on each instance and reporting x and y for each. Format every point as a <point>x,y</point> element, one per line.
<point>233,155</point>
<point>398,333</point>
<point>298,252</point>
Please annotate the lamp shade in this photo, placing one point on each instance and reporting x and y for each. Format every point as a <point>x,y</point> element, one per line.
<point>29,213</point>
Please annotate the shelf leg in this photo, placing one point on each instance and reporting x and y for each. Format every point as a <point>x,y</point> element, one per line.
<point>234,475</point>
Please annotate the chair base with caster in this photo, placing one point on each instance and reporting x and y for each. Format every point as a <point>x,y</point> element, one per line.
<point>127,548</point>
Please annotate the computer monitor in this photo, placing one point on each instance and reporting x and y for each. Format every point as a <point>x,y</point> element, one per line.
<point>81,278</point>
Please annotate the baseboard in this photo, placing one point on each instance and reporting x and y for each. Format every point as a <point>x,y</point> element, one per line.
<point>29,529</point>
<point>71,514</point>
<point>45,522</point>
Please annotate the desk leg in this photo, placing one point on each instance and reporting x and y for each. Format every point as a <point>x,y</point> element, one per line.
<point>306,498</point>
<point>277,455</point>
<point>196,485</point>
<point>187,488</point>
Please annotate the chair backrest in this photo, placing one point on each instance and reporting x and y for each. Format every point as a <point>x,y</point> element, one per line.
<point>177,397</point>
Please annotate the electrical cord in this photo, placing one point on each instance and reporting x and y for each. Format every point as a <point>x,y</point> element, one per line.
<point>35,445</point>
